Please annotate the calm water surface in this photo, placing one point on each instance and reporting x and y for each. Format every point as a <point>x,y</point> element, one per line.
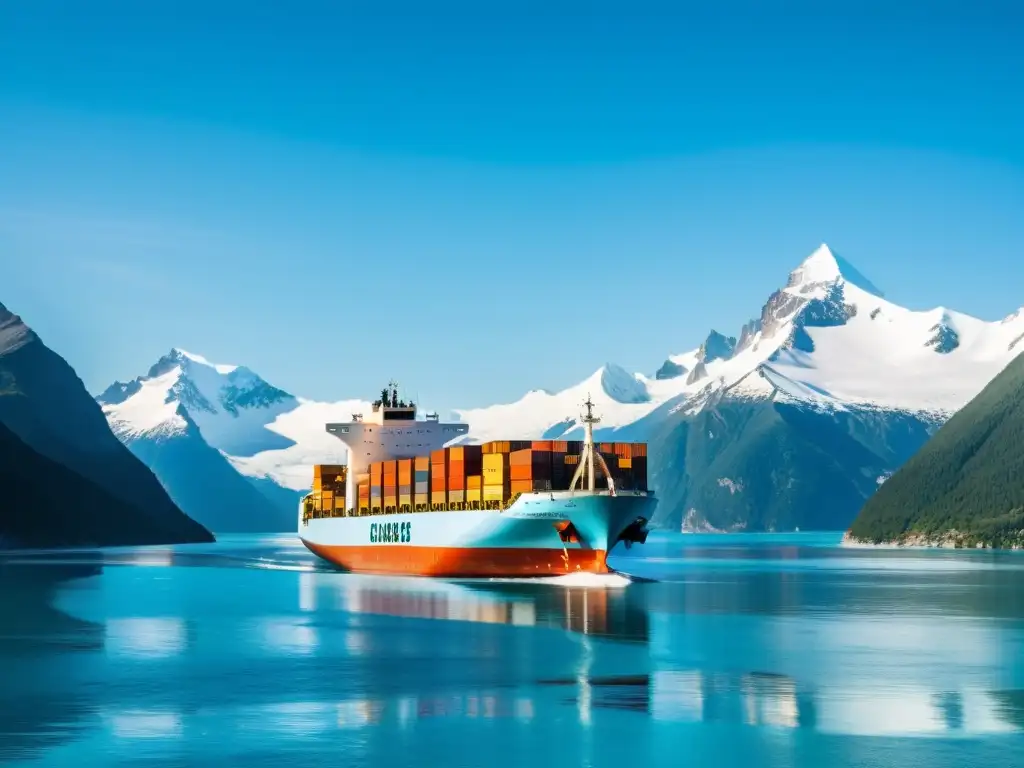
<point>747,650</point>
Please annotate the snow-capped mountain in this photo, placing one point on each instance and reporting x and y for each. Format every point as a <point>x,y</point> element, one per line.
<point>828,336</point>
<point>796,420</point>
<point>831,381</point>
<point>252,444</point>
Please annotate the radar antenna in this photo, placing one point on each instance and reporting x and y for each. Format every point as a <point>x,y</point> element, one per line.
<point>589,454</point>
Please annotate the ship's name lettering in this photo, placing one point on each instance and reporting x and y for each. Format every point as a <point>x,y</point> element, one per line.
<point>390,533</point>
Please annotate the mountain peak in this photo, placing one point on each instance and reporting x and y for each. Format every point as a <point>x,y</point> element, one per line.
<point>183,355</point>
<point>620,385</point>
<point>717,346</point>
<point>823,266</point>
<point>14,334</point>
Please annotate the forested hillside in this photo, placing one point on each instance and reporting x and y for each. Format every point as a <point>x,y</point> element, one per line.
<point>966,485</point>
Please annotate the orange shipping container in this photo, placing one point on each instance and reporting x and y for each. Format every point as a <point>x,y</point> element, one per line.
<point>438,497</point>
<point>521,486</point>
<point>541,445</point>
<point>520,457</point>
<point>473,482</point>
<point>521,472</point>
<point>422,463</point>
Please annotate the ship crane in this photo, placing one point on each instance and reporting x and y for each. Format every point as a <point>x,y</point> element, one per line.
<point>589,455</point>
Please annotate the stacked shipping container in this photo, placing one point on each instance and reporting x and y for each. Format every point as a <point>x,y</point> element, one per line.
<point>421,482</point>
<point>329,486</point>
<point>479,475</point>
<point>439,477</point>
<point>404,482</point>
<point>390,473</point>
<point>496,482</point>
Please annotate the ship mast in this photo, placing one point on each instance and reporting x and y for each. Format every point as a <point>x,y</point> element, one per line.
<point>589,454</point>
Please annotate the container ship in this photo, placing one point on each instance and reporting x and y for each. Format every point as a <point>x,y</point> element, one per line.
<point>414,499</point>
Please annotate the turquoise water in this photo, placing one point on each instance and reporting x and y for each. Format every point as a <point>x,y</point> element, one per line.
<point>746,650</point>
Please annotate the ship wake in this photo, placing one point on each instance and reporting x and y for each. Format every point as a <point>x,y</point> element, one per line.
<point>600,580</point>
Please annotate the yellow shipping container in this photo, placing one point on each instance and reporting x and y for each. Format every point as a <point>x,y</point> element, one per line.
<point>405,498</point>
<point>473,483</point>
<point>495,493</point>
<point>473,494</point>
<point>625,463</point>
<point>495,469</point>
<point>420,498</point>
<point>438,497</point>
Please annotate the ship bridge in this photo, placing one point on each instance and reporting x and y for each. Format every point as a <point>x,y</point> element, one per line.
<point>390,431</point>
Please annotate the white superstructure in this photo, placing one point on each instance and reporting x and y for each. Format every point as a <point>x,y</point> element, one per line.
<point>390,431</point>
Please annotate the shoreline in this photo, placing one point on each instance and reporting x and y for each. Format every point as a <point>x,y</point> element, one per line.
<point>946,540</point>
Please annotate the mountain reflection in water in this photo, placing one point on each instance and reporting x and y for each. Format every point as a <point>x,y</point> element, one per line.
<point>117,656</point>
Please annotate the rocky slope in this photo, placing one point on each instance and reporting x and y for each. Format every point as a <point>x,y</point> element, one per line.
<point>67,478</point>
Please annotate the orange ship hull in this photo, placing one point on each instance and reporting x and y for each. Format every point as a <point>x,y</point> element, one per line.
<point>462,562</point>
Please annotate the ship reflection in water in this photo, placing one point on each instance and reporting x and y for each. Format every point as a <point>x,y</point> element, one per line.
<point>249,652</point>
<point>591,610</point>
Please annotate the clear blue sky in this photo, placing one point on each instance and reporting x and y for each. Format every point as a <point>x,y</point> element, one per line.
<point>439,193</point>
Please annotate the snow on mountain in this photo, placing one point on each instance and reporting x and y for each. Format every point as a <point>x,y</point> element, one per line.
<point>263,431</point>
<point>828,340</point>
<point>303,427</point>
<point>144,407</point>
<point>828,334</point>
